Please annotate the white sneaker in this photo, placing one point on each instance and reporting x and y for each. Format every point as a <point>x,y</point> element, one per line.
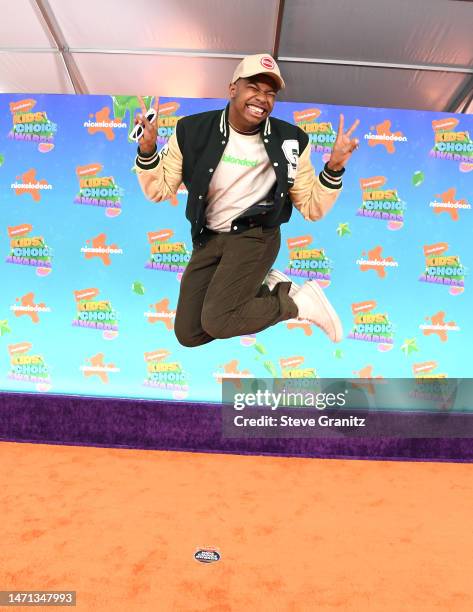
<point>314,306</point>
<point>275,276</point>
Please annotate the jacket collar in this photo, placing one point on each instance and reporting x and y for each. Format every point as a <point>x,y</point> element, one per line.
<point>265,126</point>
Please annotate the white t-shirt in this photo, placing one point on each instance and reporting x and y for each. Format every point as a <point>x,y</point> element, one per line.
<point>243,177</point>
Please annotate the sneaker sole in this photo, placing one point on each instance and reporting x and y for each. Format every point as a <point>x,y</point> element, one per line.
<point>334,318</point>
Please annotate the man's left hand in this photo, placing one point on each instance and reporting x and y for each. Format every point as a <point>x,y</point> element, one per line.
<point>344,146</point>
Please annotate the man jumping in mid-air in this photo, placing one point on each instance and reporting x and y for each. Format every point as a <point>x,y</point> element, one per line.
<point>244,172</point>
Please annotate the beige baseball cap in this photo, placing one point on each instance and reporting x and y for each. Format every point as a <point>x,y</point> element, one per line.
<point>258,64</point>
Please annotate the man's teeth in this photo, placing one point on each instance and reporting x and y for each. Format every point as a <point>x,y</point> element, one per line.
<point>255,109</point>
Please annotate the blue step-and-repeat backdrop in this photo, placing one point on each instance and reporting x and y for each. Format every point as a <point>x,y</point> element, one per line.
<point>90,269</point>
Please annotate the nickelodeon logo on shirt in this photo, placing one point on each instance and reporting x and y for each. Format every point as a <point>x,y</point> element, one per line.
<point>165,255</point>
<point>451,144</point>
<point>95,314</point>
<point>443,269</point>
<point>321,134</point>
<point>27,250</point>
<point>372,326</point>
<point>32,126</point>
<point>28,368</point>
<point>167,375</point>
<point>167,119</point>
<point>311,264</point>
<point>382,204</point>
<point>99,191</point>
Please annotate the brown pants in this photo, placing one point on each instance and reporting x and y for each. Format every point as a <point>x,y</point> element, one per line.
<point>221,292</point>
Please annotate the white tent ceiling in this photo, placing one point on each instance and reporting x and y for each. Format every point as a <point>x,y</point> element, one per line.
<point>388,53</point>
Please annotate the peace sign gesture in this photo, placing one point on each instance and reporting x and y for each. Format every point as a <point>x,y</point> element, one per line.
<point>148,133</point>
<point>344,145</point>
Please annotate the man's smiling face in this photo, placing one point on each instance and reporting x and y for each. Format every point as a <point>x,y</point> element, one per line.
<point>251,101</point>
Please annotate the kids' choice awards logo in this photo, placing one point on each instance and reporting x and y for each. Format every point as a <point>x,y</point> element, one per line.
<point>427,369</point>
<point>26,249</point>
<point>165,375</point>
<point>443,269</point>
<point>375,261</point>
<point>160,313</point>
<point>27,183</point>
<point>382,204</point>
<point>26,306</point>
<point>28,367</point>
<point>381,134</point>
<point>101,191</point>
<point>308,263</point>
<point>167,119</point>
<point>165,255</point>
<point>452,144</point>
<point>95,314</point>
<point>293,367</point>
<point>436,325</point>
<point>97,248</point>
<point>321,134</point>
<point>448,203</point>
<point>372,326</point>
<point>33,126</point>
<point>96,367</point>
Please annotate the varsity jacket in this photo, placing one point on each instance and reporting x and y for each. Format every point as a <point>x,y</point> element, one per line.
<point>195,149</point>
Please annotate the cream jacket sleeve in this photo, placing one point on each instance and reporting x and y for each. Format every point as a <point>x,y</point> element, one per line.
<point>160,175</point>
<point>313,199</point>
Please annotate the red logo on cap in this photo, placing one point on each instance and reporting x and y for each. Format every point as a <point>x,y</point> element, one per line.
<point>267,62</point>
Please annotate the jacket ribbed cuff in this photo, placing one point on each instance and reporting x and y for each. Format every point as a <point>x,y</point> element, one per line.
<point>331,178</point>
<point>147,161</point>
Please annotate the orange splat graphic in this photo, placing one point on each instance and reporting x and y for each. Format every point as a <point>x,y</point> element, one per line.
<point>384,129</point>
<point>439,319</point>
<point>162,308</point>
<point>30,177</point>
<point>99,242</point>
<point>306,327</point>
<point>97,361</point>
<point>376,255</point>
<point>103,115</point>
<point>28,300</point>
<point>449,197</point>
<point>232,368</point>
<point>366,373</point>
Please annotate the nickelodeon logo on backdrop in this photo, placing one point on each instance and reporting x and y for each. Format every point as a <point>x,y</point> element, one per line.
<point>166,375</point>
<point>311,264</point>
<point>372,326</point>
<point>28,367</point>
<point>292,367</point>
<point>438,326</point>
<point>101,191</point>
<point>26,250</point>
<point>230,370</point>
<point>451,144</point>
<point>167,256</point>
<point>449,204</point>
<point>167,119</point>
<point>97,248</point>
<point>95,314</point>
<point>426,369</point>
<point>96,366</point>
<point>382,204</point>
<point>374,260</point>
<point>381,134</point>
<point>443,269</point>
<point>160,313</point>
<point>101,123</point>
<point>29,184</point>
<point>321,133</point>
<point>32,126</point>
<point>26,306</point>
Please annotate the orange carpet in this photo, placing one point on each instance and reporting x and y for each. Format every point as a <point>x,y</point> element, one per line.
<point>120,527</point>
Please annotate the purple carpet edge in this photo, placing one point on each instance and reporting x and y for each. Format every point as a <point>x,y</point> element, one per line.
<point>193,427</point>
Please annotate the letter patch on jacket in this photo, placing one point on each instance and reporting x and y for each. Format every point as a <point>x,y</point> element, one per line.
<point>291,151</point>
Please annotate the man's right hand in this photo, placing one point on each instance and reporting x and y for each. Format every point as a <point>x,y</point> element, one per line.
<point>147,142</point>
